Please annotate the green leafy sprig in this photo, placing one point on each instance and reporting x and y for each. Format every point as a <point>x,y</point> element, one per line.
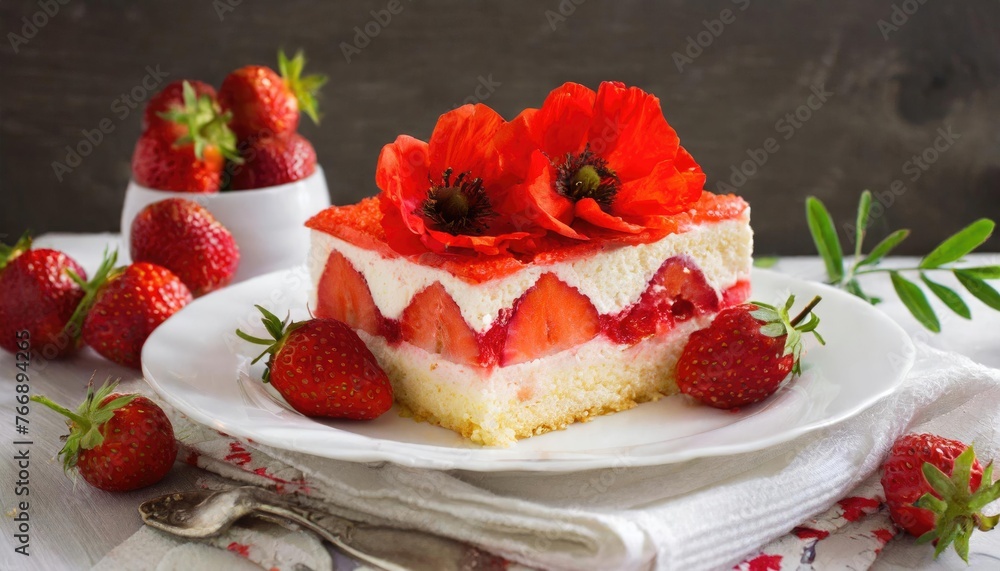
<point>941,259</point>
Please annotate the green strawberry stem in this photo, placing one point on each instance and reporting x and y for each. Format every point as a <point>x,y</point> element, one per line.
<point>279,331</point>
<point>956,506</point>
<point>305,88</point>
<point>86,423</point>
<point>776,323</point>
<point>105,273</point>
<point>207,125</point>
<point>8,253</point>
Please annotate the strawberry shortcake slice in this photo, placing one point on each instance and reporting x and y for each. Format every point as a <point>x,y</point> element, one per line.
<point>515,277</point>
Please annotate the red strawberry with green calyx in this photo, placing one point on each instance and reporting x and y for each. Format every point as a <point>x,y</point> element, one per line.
<point>266,104</point>
<point>935,489</point>
<point>745,354</point>
<point>188,151</point>
<point>322,368</point>
<point>123,306</point>
<point>116,442</point>
<point>170,98</point>
<point>38,294</point>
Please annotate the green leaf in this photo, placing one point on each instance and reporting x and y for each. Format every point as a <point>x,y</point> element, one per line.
<point>984,272</point>
<point>765,314</point>
<point>914,299</point>
<point>959,244</point>
<point>929,502</point>
<point>962,541</point>
<point>961,471</point>
<point>884,247</point>
<point>938,480</point>
<point>948,296</point>
<point>825,237</point>
<point>765,261</point>
<point>864,207</point>
<point>854,288</point>
<point>773,330</point>
<point>947,537</point>
<point>977,287</point>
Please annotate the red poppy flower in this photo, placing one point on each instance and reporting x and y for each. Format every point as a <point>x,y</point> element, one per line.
<point>446,195</point>
<point>608,158</point>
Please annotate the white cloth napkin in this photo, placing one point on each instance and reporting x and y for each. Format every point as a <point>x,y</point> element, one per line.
<point>813,501</point>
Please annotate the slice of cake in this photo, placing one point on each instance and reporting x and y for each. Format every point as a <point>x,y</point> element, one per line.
<point>513,278</point>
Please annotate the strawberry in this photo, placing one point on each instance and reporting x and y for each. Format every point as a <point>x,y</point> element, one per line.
<point>183,237</point>
<point>744,354</point>
<point>169,99</point>
<point>187,152</point>
<point>265,104</point>
<point>39,290</point>
<point>934,489</point>
<point>322,368</point>
<point>677,292</point>
<point>124,305</point>
<point>550,317</point>
<point>271,161</point>
<point>116,442</point>
<point>434,322</point>
<point>343,294</point>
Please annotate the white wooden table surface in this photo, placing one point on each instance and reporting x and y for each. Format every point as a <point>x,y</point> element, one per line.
<point>73,528</point>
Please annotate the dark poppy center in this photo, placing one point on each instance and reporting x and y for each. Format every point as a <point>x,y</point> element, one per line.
<point>459,205</point>
<point>587,176</point>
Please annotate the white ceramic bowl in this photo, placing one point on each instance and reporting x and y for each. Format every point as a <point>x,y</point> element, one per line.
<point>267,223</point>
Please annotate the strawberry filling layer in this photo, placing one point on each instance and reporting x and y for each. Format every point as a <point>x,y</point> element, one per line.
<point>549,317</point>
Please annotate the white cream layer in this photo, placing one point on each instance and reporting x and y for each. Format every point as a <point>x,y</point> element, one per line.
<point>612,280</point>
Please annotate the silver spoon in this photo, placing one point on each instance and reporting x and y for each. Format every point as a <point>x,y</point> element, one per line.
<point>203,513</point>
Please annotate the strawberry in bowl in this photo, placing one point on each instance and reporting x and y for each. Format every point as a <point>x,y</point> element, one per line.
<point>199,144</point>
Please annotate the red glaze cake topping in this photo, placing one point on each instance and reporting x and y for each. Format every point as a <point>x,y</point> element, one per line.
<point>361,224</point>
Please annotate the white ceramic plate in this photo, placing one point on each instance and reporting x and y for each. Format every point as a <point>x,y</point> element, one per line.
<point>197,364</point>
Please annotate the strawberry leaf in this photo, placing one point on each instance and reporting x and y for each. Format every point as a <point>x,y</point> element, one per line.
<point>825,237</point>
<point>940,481</point>
<point>959,244</point>
<point>914,299</point>
<point>884,247</point>
<point>305,88</point>
<point>8,253</point>
<point>979,288</point>
<point>87,422</point>
<point>765,314</point>
<point>947,296</point>
<point>773,330</point>
<point>962,541</point>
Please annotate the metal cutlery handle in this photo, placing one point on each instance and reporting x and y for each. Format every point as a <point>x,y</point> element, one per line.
<point>331,528</point>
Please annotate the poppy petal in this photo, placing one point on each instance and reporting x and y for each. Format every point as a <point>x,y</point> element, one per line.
<point>463,141</point>
<point>588,209</point>
<point>663,191</point>
<point>536,203</point>
<point>629,130</point>
<point>562,124</point>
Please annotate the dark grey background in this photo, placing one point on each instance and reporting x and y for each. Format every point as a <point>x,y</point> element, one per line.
<point>892,90</point>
